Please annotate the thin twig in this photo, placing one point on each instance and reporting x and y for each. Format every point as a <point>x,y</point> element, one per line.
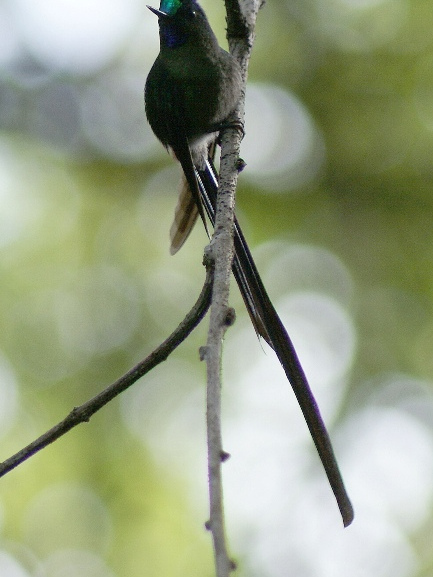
<point>240,36</point>
<point>222,252</point>
<point>83,413</point>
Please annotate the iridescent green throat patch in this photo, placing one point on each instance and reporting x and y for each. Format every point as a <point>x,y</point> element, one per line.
<point>170,6</point>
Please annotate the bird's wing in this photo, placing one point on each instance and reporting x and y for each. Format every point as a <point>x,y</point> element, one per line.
<point>166,112</point>
<point>185,216</point>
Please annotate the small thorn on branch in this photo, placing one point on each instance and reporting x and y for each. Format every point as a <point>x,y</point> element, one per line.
<point>240,164</point>
<point>224,456</point>
<point>230,317</point>
<point>202,351</point>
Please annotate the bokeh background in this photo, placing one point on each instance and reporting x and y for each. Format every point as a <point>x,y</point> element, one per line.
<point>337,203</point>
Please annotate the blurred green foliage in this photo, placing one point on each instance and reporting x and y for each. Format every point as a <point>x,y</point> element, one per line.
<point>88,287</point>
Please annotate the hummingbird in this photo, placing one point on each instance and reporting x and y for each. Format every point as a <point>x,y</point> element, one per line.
<point>191,92</point>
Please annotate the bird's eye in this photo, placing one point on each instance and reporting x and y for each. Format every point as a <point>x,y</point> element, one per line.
<point>192,14</point>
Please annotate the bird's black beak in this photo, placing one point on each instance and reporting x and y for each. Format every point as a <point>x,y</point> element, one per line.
<point>158,13</point>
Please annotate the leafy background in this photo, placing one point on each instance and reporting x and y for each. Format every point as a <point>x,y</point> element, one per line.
<point>336,201</point>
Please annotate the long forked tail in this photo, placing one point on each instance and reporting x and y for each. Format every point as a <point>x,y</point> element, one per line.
<point>268,324</point>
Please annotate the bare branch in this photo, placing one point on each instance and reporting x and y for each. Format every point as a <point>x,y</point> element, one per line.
<point>240,36</point>
<point>83,413</point>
